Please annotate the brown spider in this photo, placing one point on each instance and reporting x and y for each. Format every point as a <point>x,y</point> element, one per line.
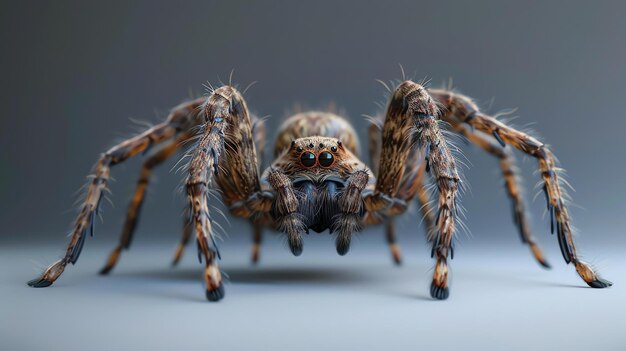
<point>317,182</point>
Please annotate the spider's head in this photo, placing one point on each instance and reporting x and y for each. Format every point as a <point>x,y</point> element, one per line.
<point>317,157</point>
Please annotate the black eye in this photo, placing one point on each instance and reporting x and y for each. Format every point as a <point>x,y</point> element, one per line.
<point>307,159</point>
<point>326,159</point>
<point>299,149</point>
<point>333,149</point>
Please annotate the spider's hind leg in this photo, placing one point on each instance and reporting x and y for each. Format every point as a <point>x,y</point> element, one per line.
<point>257,237</point>
<point>466,111</point>
<point>394,248</point>
<point>509,172</point>
<point>374,151</point>
<point>178,120</point>
<point>134,207</point>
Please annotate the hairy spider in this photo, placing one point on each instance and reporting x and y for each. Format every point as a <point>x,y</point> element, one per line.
<point>318,182</point>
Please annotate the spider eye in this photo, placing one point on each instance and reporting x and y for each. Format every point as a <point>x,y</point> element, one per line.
<point>307,159</point>
<point>299,149</point>
<point>326,159</point>
<point>333,149</point>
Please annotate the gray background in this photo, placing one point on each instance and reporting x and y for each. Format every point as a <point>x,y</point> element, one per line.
<point>74,73</point>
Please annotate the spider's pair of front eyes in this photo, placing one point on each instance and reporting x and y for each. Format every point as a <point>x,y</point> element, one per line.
<point>309,159</point>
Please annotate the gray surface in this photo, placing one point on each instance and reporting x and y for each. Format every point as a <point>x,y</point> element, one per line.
<point>499,300</point>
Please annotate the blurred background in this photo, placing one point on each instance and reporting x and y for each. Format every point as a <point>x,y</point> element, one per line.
<point>75,73</point>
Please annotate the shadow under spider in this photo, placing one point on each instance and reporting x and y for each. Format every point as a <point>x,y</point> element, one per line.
<point>266,275</point>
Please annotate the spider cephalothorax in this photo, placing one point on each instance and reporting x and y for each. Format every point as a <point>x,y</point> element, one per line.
<point>317,181</point>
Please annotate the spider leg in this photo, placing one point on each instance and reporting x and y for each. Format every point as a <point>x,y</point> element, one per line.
<point>466,111</point>
<point>257,237</point>
<point>258,131</point>
<point>134,207</point>
<point>350,203</point>
<point>374,150</point>
<point>225,153</point>
<point>285,208</point>
<point>411,124</point>
<point>509,172</point>
<point>187,231</point>
<point>390,235</point>
<point>181,117</point>
<point>423,200</point>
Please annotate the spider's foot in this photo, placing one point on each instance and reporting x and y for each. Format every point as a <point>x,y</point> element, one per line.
<point>39,283</point>
<point>106,270</point>
<point>295,244</point>
<point>600,283</point>
<point>545,264</point>
<point>49,276</point>
<point>178,254</point>
<point>590,277</point>
<point>215,294</point>
<point>343,243</point>
<point>439,293</point>
<point>254,258</point>
<point>395,254</point>
<point>112,261</point>
<point>539,256</point>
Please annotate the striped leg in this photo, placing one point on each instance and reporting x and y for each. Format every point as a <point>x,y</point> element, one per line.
<point>350,205</point>
<point>134,208</point>
<point>509,172</point>
<point>411,124</point>
<point>182,117</point>
<point>225,155</point>
<point>374,151</point>
<point>187,231</point>
<point>258,129</point>
<point>465,110</point>
<point>285,208</point>
<point>85,220</point>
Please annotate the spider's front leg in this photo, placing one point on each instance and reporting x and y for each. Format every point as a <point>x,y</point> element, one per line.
<point>285,210</point>
<point>410,126</point>
<point>351,204</point>
<point>225,154</point>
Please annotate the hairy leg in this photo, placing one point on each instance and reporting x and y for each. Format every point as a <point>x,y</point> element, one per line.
<point>350,205</point>
<point>374,150</point>
<point>258,129</point>
<point>225,154</point>
<point>181,118</point>
<point>509,172</point>
<point>466,111</point>
<point>411,125</point>
<point>187,231</point>
<point>134,208</point>
<point>285,209</point>
<point>259,133</point>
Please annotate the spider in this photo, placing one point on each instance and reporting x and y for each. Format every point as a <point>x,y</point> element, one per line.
<point>317,182</point>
